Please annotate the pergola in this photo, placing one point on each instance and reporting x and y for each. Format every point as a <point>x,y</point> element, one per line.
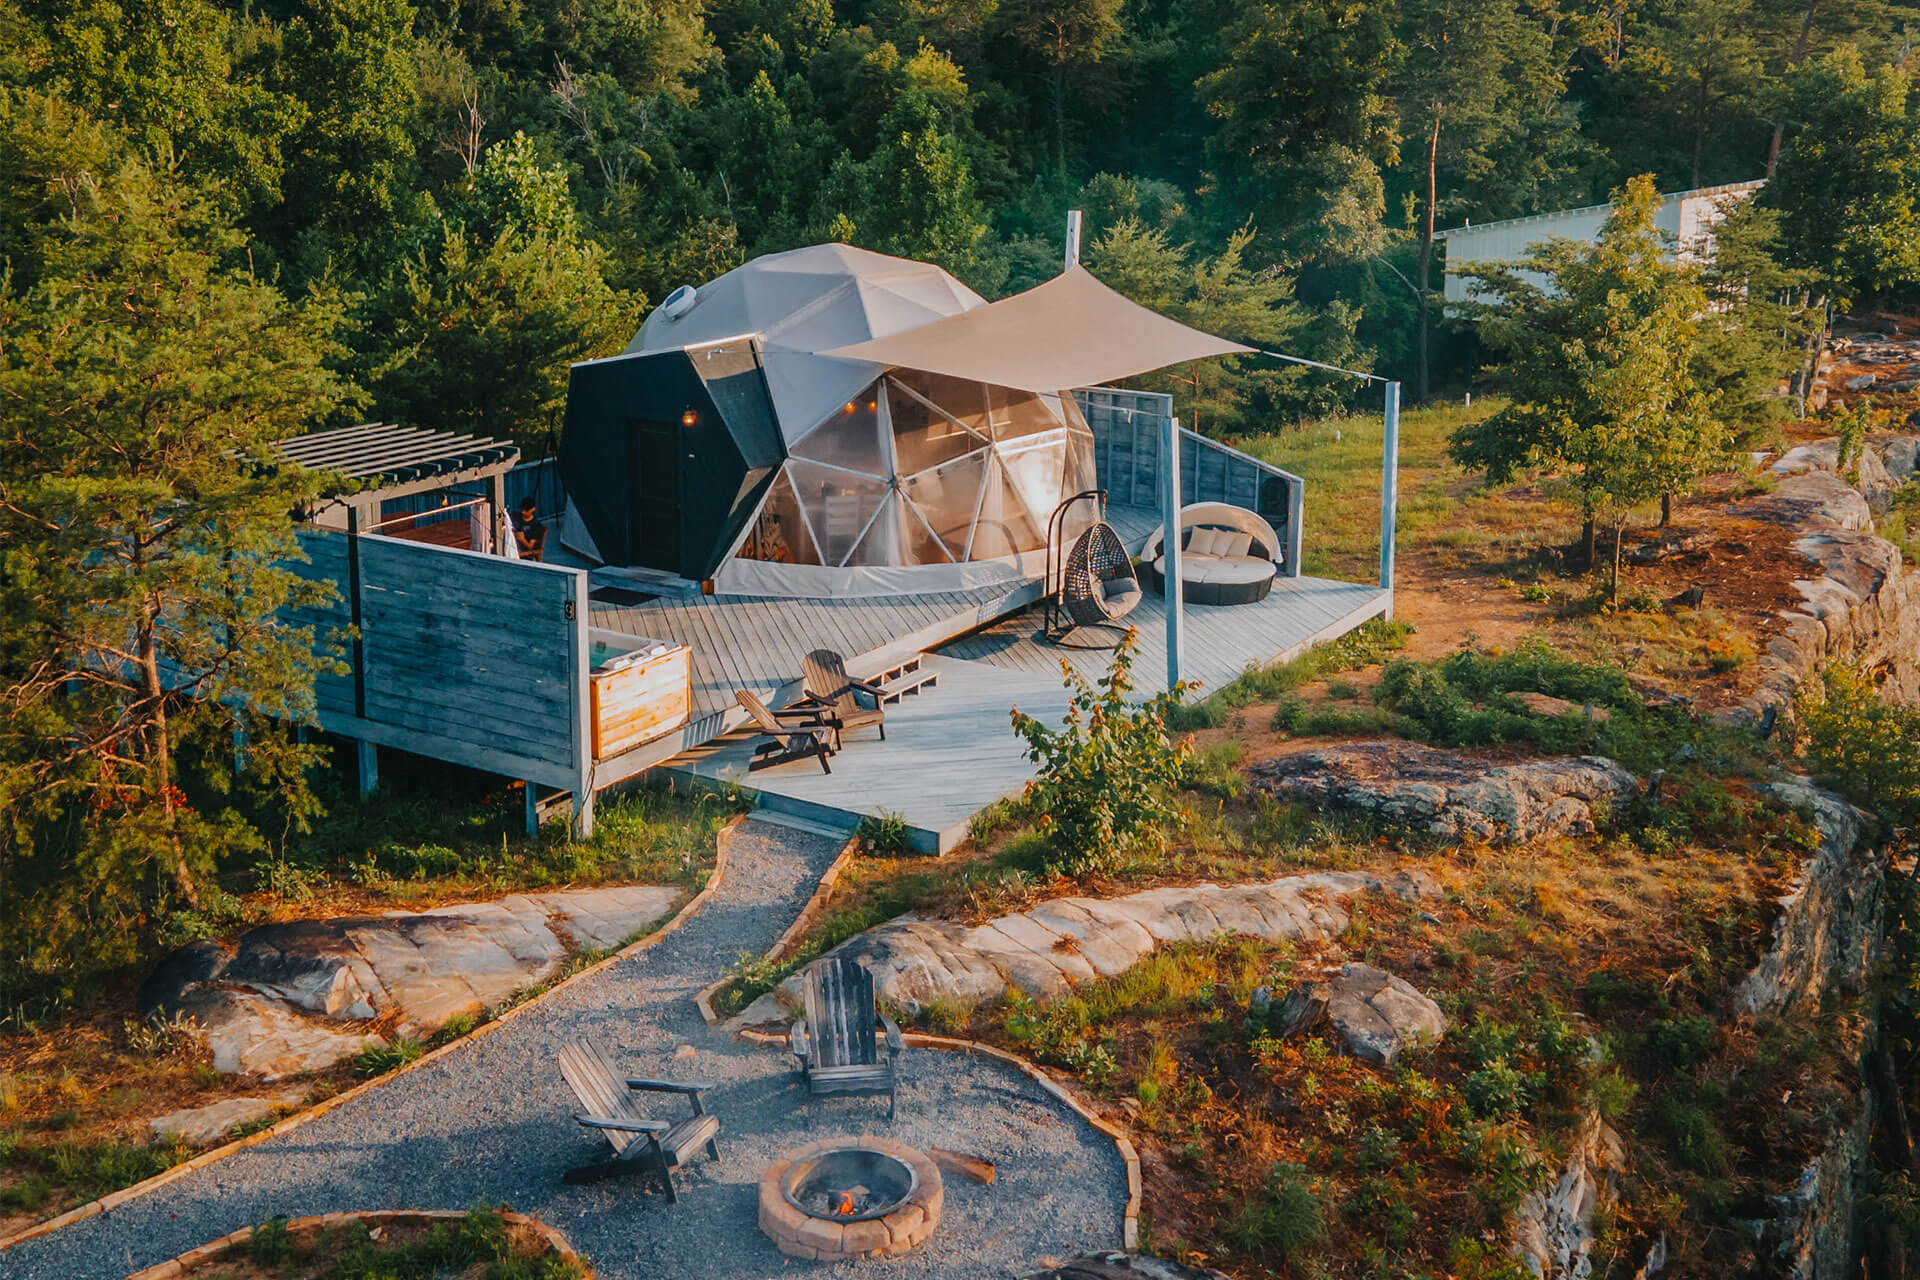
<point>385,461</point>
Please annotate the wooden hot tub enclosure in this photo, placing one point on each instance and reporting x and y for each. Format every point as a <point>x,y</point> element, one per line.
<point>639,696</point>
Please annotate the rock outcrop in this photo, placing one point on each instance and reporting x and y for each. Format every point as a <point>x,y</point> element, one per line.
<point>1829,925</point>
<point>1046,951</point>
<point>289,998</point>
<point>1859,603</point>
<point>1373,1014</point>
<point>1553,1231</point>
<point>202,1125</point>
<point>1449,793</point>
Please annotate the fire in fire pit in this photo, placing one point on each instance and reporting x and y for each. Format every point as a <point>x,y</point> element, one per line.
<point>847,1198</point>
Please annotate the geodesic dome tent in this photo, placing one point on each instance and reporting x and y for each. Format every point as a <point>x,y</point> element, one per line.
<point>747,435</point>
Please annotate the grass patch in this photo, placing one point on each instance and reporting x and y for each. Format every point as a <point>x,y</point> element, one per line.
<point>1364,646</point>
<point>480,1246</point>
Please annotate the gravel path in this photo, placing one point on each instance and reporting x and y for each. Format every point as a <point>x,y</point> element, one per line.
<point>490,1122</point>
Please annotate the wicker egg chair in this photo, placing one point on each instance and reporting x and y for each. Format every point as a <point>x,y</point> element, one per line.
<point>1098,587</point>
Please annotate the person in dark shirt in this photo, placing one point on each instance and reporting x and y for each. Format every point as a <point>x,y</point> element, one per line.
<point>529,535</point>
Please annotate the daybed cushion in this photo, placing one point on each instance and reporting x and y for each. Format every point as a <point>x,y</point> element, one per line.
<point>1213,579</point>
<point>1233,542</point>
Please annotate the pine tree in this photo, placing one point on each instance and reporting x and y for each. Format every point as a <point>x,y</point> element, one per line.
<point>144,537</point>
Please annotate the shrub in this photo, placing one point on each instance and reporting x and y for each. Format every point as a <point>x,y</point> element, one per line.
<point>1287,1217</point>
<point>1107,775</point>
<point>1680,1044</point>
<point>1861,745</point>
<point>1497,1090</point>
<point>884,835</point>
<point>1690,1130</point>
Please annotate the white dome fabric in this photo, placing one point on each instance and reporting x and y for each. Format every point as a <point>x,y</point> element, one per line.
<point>806,301</point>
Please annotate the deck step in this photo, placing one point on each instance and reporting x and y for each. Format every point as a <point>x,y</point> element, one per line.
<point>837,830</point>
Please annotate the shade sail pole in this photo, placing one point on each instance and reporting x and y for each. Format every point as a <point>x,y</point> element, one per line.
<point>1389,489</point>
<point>1073,240</point>
<point>1173,590</point>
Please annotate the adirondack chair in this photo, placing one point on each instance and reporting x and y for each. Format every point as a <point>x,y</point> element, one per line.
<point>835,694</point>
<point>790,735</point>
<point>640,1144</point>
<point>836,1042</point>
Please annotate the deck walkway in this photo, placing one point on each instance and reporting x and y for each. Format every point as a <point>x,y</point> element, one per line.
<point>950,750</point>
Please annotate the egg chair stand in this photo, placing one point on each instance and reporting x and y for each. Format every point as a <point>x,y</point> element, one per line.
<point>1091,585</point>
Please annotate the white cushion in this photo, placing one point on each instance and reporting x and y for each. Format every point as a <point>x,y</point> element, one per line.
<point>1206,542</point>
<point>1237,543</point>
<point>1232,569</point>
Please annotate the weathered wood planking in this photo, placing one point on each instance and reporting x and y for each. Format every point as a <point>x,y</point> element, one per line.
<point>638,703</point>
<point>464,657</point>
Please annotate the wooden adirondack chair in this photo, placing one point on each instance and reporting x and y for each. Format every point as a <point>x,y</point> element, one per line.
<point>836,694</point>
<point>791,735</point>
<point>640,1144</point>
<point>837,1042</point>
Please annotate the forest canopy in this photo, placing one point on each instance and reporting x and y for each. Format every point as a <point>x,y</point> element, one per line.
<point>498,187</point>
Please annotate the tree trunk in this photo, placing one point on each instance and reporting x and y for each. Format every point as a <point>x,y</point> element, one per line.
<point>1424,338</point>
<point>1613,585</point>
<point>1800,47</point>
<point>1060,118</point>
<point>1589,544</point>
<point>160,744</point>
<point>1666,510</point>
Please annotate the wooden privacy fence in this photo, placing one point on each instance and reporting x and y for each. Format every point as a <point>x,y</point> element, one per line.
<point>474,659</point>
<point>1128,427</point>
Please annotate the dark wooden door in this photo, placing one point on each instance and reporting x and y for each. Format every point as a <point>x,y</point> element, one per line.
<point>653,486</point>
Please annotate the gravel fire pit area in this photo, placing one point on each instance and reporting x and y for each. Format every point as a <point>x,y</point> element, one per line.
<point>851,1198</point>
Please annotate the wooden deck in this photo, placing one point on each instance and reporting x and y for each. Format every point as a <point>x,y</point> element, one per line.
<point>950,750</point>
<point>1221,641</point>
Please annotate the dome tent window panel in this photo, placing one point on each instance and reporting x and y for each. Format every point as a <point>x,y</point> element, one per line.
<point>925,435</point>
<point>839,506</point>
<point>948,497</point>
<point>1004,527</point>
<point>1037,468</point>
<point>781,533</point>
<point>963,401</point>
<point>1022,413</point>
<point>850,437</point>
<point>885,541</point>
<point>921,544</point>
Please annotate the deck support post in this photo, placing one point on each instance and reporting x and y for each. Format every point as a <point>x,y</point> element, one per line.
<point>1389,490</point>
<point>497,504</point>
<point>583,813</point>
<point>367,757</point>
<point>1170,505</point>
<point>533,808</point>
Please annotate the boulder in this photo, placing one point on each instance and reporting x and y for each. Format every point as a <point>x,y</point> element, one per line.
<point>202,1125</point>
<point>1048,950</point>
<point>1449,793</point>
<point>252,1035</point>
<point>179,970</point>
<point>420,970</point>
<point>1374,1014</point>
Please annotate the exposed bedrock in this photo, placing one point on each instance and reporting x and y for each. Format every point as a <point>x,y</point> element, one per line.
<point>1048,950</point>
<point>1372,1014</point>
<point>1450,793</point>
<point>1553,1232</point>
<point>298,996</point>
<point>1858,603</point>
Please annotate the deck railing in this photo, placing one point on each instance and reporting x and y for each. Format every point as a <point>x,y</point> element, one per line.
<point>474,659</point>
<point>1128,427</point>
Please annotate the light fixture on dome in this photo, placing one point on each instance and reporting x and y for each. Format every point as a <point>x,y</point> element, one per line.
<point>688,418</point>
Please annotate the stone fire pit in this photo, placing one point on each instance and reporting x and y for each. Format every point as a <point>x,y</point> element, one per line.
<point>850,1198</point>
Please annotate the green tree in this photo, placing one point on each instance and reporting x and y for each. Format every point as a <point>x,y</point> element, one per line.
<point>144,535</point>
<point>349,167</point>
<point>1064,36</point>
<point>1759,321</point>
<point>1305,123</point>
<point>1219,294</point>
<point>1602,364</point>
<point>163,73</point>
<point>481,324</point>
<point>1848,181</point>
<point>1471,66</point>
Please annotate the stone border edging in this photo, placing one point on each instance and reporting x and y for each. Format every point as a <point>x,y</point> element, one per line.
<point>1129,1155</point>
<point>377,1217</point>
<point>816,906</point>
<point>115,1199</point>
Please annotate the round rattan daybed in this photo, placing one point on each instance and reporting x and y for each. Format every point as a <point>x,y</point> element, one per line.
<point>1226,555</point>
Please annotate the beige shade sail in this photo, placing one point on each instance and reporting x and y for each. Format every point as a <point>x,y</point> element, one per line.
<point>1071,331</point>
